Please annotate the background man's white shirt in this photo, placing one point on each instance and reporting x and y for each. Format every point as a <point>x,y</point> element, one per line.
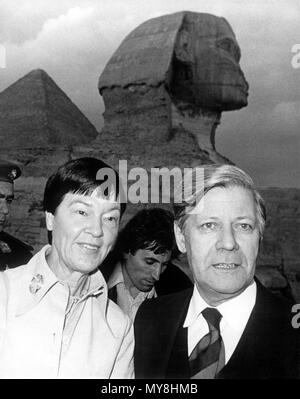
<point>127,303</point>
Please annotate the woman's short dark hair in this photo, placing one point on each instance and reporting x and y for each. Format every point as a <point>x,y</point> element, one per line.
<point>151,228</point>
<point>81,176</point>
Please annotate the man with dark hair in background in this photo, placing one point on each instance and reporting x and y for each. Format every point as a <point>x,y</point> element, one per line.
<point>141,262</point>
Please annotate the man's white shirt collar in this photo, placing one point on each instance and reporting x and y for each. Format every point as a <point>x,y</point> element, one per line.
<point>117,277</point>
<point>236,311</point>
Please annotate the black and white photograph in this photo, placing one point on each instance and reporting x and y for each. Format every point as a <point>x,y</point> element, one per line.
<point>149,192</point>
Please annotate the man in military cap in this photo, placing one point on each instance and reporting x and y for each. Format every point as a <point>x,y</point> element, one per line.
<point>13,252</point>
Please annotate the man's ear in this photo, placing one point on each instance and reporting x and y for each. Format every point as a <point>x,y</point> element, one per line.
<point>180,239</point>
<point>49,220</point>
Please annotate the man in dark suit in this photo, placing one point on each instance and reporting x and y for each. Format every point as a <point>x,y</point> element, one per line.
<point>228,325</point>
<point>13,252</point>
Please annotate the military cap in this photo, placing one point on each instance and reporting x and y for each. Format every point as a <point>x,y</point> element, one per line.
<point>9,171</point>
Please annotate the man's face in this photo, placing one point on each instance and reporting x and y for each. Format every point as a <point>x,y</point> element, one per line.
<point>221,239</point>
<point>84,228</point>
<point>145,267</point>
<point>6,197</point>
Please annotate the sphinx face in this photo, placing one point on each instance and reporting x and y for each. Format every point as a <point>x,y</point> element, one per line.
<point>219,80</point>
<point>206,70</point>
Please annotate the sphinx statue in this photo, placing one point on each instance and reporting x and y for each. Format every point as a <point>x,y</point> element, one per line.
<point>175,73</point>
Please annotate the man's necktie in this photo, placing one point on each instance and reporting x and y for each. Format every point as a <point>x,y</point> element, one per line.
<point>208,357</point>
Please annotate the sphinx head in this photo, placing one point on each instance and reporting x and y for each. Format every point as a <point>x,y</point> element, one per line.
<point>206,70</point>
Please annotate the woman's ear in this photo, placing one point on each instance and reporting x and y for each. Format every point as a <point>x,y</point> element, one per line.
<point>49,220</point>
<point>180,239</point>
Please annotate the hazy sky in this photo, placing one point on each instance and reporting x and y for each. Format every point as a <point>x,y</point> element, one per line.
<point>72,40</point>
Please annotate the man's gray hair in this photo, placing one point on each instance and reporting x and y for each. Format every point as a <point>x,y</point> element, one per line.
<point>198,184</point>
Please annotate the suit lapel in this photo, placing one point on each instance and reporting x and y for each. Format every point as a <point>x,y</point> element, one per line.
<point>178,365</point>
<point>174,338</point>
<point>260,330</point>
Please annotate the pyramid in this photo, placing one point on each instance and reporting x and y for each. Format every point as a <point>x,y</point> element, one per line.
<point>35,112</point>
